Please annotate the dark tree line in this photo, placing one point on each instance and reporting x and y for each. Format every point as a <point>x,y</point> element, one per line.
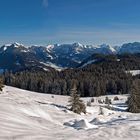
<point>105,77</point>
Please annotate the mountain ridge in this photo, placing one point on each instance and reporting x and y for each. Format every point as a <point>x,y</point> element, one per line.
<point>16,56</point>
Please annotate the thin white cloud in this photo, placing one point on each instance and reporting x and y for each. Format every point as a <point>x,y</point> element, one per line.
<point>45,3</point>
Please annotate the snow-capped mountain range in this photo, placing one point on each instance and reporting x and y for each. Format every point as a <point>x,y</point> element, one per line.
<point>17,56</point>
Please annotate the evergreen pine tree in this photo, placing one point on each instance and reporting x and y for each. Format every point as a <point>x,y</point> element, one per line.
<point>134,100</point>
<point>1,84</point>
<point>107,101</point>
<point>76,104</point>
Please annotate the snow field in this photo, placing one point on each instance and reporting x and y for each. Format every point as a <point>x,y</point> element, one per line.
<point>26,115</point>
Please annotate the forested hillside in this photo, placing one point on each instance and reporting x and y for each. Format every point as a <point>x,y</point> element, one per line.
<point>107,76</point>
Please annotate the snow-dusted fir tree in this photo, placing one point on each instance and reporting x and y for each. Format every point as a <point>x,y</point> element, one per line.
<point>1,84</point>
<point>76,104</point>
<point>107,101</point>
<point>134,100</point>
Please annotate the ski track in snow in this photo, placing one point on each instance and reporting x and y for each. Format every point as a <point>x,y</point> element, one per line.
<point>26,115</point>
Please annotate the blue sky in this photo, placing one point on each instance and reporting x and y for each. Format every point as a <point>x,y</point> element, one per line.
<point>67,21</point>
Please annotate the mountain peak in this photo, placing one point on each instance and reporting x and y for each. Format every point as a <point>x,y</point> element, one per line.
<point>77,44</point>
<point>108,46</point>
<point>15,44</point>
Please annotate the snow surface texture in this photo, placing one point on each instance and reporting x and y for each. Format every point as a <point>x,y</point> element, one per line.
<point>28,115</point>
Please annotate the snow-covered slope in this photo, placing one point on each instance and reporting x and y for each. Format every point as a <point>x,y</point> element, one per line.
<point>88,63</point>
<point>49,64</point>
<point>27,115</point>
<point>133,72</point>
<point>105,49</point>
